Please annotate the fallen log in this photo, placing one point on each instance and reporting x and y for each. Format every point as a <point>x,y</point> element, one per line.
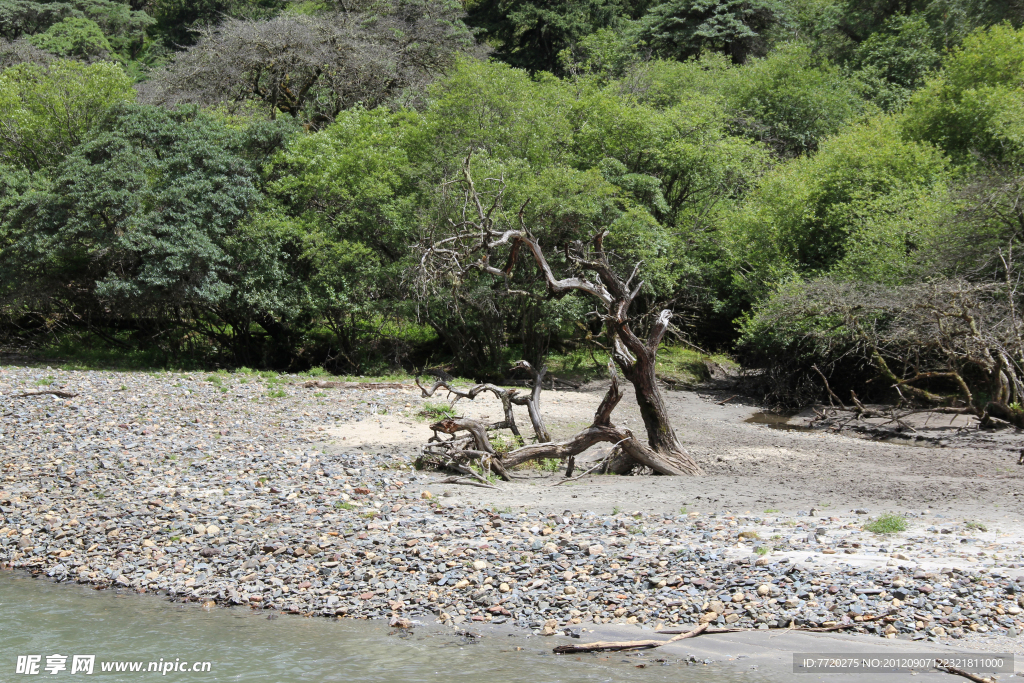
<point>323,384</point>
<point>813,629</point>
<point>606,646</point>
<point>468,481</point>
<point>61,394</point>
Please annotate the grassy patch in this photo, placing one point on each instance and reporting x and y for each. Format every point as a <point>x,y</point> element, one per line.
<point>344,505</point>
<point>550,464</point>
<point>436,411</point>
<point>676,364</point>
<point>503,445</point>
<point>887,524</point>
<point>276,393</point>
<point>770,511</point>
<point>976,526</point>
<point>761,550</point>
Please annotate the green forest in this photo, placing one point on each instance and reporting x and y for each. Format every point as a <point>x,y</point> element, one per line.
<point>829,191</point>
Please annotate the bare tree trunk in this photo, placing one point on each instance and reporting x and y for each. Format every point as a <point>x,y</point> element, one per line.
<point>661,437</point>
<point>532,402</point>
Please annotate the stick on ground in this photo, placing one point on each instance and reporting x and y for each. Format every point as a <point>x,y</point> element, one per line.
<point>606,646</point>
<point>960,672</point>
<point>54,392</point>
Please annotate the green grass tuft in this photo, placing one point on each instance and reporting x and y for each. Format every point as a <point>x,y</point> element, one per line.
<point>435,412</point>
<point>887,524</point>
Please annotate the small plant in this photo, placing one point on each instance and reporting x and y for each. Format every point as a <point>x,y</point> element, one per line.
<point>320,394</point>
<point>503,445</point>
<point>683,510</point>
<point>344,505</point>
<point>771,511</point>
<point>749,535</point>
<point>214,379</point>
<point>315,372</point>
<point>369,514</point>
<point>46,381</point>
<point>223,390</point>
<point>437,411</point>
<point>976,526</point>
<point>761,550</point>
<point>776,537</point>
<point>887,524</point>
<point>616,510</point>
<point>550,464</point>
<point>276,393</point>
<point>175,539</point>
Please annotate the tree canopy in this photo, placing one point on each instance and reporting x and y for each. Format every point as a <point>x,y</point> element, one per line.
<point>257,181</point>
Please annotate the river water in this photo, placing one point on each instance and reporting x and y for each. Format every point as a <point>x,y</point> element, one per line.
<point>38,617</point>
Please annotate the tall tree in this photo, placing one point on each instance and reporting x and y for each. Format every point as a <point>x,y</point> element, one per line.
<point>530,34</point>
<point>313,67</point>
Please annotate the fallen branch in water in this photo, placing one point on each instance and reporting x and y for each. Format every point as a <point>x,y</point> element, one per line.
<point>61,394</point>
<point>629,644</point>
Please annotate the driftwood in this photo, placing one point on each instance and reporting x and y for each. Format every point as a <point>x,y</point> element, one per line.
<point>601,430</point>
<point>552,382</point>
<point>532,402</point>
<point>503,395</point>
<point>468,481</point>
<point>619,646</point>
<point>54,392</point>
<point>960,672</point>
<point>323,384</point>
<point>454,453</point>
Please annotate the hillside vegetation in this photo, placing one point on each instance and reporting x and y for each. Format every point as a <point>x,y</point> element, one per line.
<point>819,188</point>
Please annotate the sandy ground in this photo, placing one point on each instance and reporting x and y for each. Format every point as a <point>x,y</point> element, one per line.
<point>748,466</point>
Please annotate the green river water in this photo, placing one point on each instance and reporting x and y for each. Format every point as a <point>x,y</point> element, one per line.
<point>41,618</point>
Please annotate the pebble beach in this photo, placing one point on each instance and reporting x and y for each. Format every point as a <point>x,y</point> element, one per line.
<point>223,489</point>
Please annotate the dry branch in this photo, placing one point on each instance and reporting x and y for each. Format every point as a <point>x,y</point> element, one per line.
<point>54,392</point>
<point>960,672</point>
<point>322,384</point>
<point>467,481</point>
<point>604,646</point>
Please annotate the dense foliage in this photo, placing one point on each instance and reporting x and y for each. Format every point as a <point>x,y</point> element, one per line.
<point>254,181</point>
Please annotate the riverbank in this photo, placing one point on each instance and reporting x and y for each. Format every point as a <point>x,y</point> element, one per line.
<point>252,490</point>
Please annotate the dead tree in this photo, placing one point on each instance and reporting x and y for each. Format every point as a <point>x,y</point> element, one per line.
<point>459,451</point>
<point>478,241</point>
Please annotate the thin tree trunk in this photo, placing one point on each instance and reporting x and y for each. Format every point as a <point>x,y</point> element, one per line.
<point>661,437</point>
